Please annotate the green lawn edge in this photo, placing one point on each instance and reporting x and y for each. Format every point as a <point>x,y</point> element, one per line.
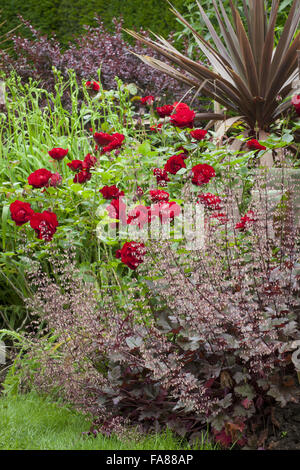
<point>34,422</point>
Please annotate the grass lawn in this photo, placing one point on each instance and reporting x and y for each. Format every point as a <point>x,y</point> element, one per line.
<point>35,423</point>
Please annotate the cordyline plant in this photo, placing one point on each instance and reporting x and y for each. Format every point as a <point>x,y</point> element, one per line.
<point>246,74</point>
<point>216,341</point>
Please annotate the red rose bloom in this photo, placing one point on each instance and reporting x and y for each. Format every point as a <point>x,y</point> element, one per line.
<point>148,100</point>
<point>39,178</point>
<point>75,165</point>
<point>164,111</point>
<point>102,138</point>
<point>111,192</point>
<point>58,153</point>
<point>253,144</point>
<point>296,103</point>
<point>55,180</point>
<point>202,174</point>
<point>82,177</point>
<point>95,86</point>
<point>183,116</point>
<point>245,221</point>
<point>138,216</point>
<point>116,142</point>
<point>89,162</point>
<point>174,164</point>
<point>117,210</point>
<point>157,195</point>
<point>161,176</point>
<point>198,134</point>
<point>109,142</point>
<point>44,224</point>
<point>211,201</point>
<point>21,212</point>
<point>132,254</point>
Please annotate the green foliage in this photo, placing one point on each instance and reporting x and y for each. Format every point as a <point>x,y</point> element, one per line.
<point>66,18</point>
<point>33,422</point>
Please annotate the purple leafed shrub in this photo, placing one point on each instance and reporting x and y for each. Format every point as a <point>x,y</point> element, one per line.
<point>213,343</point>
<point>97,48</point>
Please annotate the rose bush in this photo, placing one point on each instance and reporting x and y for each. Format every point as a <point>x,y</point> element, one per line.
<point>218,327</point>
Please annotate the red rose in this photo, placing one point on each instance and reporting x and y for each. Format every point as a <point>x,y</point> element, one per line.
<point>21,212</point>
<point>116,142</point>
<point>148,100</point>
<point>174,164</point>
<point>253,144</point>
<point>132,254</point>
<point>95,86</point>
<point>164,111</point>
<point>245,221</point>
<point>58,153</point>
<point>198,134</point>
<point>211,201</point>
<point>75,165</point>
<point>157,195</point>
<point>44,224</point>
<point>55,179</point>
<point>202,174</point>
<point>111,192</point>
<point>183,116</point>
<point>138,216</point>
<point>117,210</point>
<point>89,162</point>
<point>161,176</point>
<point>296,103</point>
<point>102,138</point>
<point>82,177</point>
<point>39,178</point>
<point>109,142</point>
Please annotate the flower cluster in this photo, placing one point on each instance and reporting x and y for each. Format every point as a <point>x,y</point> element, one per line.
<point>44,223</point>
<point>183,116</point>
<point>108,142</point>
<point>148,100</point>
<point>92,85</point>
<point>82,168</point>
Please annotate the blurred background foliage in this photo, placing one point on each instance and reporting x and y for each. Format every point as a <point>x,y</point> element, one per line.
<point>66,18</point>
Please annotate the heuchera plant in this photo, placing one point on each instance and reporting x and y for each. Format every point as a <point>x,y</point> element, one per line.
<point>216,338</point>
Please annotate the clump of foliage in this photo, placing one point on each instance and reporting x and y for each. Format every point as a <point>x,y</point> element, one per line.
<point>67,19</point>
<point>94,50</point>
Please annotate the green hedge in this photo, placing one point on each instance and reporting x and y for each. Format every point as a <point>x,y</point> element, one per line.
<point>66,17</point>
